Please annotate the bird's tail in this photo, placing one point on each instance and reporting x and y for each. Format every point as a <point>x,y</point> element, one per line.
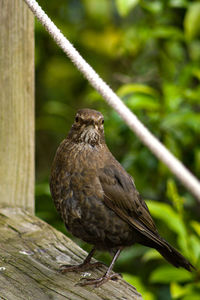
<point>168,252</point>
<point>173,256</point>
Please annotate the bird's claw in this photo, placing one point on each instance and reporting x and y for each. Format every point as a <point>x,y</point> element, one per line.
<point>99,281</point>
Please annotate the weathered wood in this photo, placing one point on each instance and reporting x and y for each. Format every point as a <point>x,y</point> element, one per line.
<point>30,254</point>
<point>16,104</point>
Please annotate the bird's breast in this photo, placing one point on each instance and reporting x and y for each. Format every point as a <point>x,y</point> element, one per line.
<point>84,156</point>
<point>79,196</point>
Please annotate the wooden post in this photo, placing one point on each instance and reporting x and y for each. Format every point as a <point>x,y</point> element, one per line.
<point>16,105</point>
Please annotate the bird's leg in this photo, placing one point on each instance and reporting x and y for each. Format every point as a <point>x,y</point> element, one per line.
<point>107,276</point>
<point>86,265</point>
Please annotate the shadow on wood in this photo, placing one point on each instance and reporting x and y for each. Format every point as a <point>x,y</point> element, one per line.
<point>31,252</point>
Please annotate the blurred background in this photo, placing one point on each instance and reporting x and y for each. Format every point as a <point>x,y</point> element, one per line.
<point>149,53</point>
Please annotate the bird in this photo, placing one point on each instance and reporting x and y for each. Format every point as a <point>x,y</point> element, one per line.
<point>98,200</point>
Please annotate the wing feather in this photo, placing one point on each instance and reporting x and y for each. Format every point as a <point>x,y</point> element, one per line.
<point>121,196</point>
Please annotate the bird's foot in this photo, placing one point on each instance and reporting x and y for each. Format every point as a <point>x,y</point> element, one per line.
<point>99,281</point>
<point>79,268</point>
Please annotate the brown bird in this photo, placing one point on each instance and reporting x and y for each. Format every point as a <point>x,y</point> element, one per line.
<point>98,200</point>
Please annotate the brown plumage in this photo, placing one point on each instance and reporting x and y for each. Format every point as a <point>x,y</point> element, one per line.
<point>97,198</point>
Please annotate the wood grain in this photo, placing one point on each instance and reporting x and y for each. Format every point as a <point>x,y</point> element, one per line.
<point>31,252</point>
<point>16,104</point>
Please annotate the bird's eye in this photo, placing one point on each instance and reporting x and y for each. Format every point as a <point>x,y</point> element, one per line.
<point>77,119</point>
<point>102,121</point>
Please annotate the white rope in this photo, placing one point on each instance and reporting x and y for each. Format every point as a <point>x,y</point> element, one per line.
<point>184,175</point>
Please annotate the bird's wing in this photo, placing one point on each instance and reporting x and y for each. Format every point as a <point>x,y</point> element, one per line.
<point>121,196</point>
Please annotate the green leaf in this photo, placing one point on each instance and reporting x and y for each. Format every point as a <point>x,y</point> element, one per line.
<point>194,242</point>
<point>154,7</point>
<point>173,195</point>
<point>139,101</point>
<point>127,89</point>
<point>197,160</point>
<point>196,226</point>
<point>134,280</point>
<point>173,220</point>
<point>125,6</point>
<point>167,32</point>
<point>190,291</point>
<point>177,290</point>
<point>165,213</point>
<point>137,283</point>
<point>151,254</point>
<point>138,96</point>
<point>178,3</point>
<point>191,21</point>
<point>167,274</point>
<point>172,96</point>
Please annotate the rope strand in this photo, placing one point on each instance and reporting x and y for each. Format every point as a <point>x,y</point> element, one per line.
<point>162,153</point>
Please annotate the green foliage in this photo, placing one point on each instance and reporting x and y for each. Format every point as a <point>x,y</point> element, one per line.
<point>124,7</point>
<point>191,22</point>
<point>149,52</point>
<point>135,281</point>
<point>167,274</point>
<point>181,282</point>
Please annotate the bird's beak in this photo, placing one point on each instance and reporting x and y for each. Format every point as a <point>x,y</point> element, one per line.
<point>93,126</point>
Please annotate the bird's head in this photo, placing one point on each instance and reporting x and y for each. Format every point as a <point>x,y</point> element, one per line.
<point>88,127</point>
